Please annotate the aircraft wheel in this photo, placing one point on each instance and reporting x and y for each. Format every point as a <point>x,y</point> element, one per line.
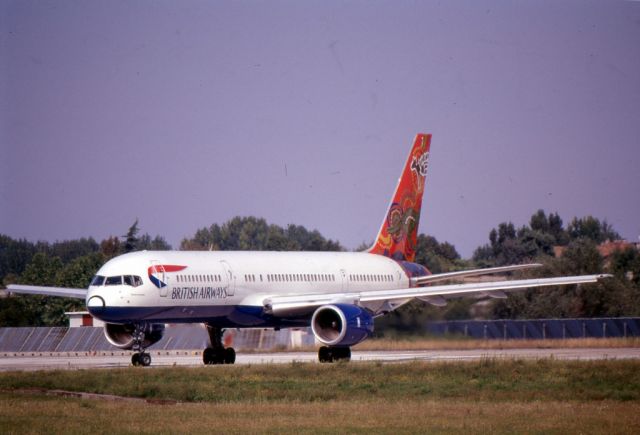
<point>229,355</point>
<point>334,354</point>
<point>324,355</point>
<point>135,359</point>
<point>145,359</point>
<point>215,356</point>
<point>208,356</point>
<point>342,354</point>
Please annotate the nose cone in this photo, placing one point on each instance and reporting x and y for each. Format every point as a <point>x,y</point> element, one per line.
<point>95,306</point>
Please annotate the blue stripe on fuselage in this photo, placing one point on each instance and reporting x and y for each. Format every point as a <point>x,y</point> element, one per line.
<point>224,316</point>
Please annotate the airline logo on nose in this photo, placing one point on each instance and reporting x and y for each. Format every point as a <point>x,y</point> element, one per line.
<point>157,273</point>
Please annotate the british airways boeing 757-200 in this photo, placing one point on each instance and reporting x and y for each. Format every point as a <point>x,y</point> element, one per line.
<point>338,294</point>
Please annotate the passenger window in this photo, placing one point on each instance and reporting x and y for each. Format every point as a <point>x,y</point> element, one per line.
<point>113,280</point>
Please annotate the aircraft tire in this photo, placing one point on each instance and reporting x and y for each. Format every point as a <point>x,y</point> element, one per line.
<point>324,355</point>
<point>229,355</point>
<point>215,356</point>
<point>208,356</point>
<point>342,354</point>
<point>334,354</point>
<point>135,359</point>
<point>145,359</point>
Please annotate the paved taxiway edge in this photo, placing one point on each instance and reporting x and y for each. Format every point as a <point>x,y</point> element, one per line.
<point>87,360</point>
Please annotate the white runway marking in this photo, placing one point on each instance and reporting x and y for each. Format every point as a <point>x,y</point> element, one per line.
<point>194,359</point>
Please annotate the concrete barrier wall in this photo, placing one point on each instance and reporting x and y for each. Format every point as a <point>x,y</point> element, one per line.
<point>183,337</point>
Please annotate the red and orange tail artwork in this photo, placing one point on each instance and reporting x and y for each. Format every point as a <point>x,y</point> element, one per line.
<point>399,231</point>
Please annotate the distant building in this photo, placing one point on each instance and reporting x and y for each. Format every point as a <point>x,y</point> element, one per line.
<point>82,318</point>
<point>605,249</point>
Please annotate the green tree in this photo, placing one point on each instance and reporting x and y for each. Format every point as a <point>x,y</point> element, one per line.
<point>593,229</point>
<point>609,297</point>
<point>556,229</point>
<point>251,233</point>
<point>44,270</point>
<point>110,247</point>
<point>14,255</point>
<point>79,272</point>
<point>625,264</point>
<point>437,257</point>
<point>510,246</point>
<point>158,243</point>
<point>41,310</point>
<point>69,250</point>
<point>131,238</point>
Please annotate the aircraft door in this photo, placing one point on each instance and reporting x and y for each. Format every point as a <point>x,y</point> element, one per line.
<point>229,277</point>
<point>345,281</point>
<point>159,277</point>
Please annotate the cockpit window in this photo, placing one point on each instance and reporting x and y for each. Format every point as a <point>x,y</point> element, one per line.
<point>132,280</point>
<point>97,280</point>
<point>114,280</point>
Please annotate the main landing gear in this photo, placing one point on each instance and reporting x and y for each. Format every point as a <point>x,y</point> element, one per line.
<point>139,357</point>
<point>217,353</point>
<point>334,354</point>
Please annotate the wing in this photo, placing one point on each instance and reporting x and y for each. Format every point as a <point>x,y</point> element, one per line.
<point>77,293</point>
<point>436,295</point>
<point>423,280</point>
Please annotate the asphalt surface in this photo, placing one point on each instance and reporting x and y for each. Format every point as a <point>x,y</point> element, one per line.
<point>53,361</point>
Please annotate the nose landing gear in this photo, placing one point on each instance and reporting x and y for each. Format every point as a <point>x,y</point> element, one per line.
<point>139,357</point>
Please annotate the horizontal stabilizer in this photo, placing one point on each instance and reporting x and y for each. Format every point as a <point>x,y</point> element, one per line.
<point>424,280</point>
<point>77,293</point>
<point>496,294</point>
<point>438,301</point>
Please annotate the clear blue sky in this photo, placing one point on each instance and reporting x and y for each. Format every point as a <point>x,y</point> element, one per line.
<point>184,114</point>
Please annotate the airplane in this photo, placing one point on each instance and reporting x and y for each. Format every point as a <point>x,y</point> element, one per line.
<point>337,294</point>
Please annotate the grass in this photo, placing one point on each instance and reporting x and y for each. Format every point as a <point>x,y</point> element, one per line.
<point>28,414</point>
<point>484,396</point>
<point>489,379</point>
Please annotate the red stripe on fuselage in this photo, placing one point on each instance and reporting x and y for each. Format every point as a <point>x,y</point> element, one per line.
<point>166,268</point>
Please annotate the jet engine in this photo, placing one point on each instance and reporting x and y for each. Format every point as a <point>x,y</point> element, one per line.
<point>341,324</point>
<point>122,335</point>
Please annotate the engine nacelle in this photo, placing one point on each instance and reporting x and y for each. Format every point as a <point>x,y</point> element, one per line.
<point>341,324</point>
<point>122,335</point>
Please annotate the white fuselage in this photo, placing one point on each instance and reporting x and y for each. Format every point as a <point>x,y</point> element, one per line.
<point>229,288</point>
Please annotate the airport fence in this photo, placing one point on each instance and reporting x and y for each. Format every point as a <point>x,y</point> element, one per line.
<point>605,327</point>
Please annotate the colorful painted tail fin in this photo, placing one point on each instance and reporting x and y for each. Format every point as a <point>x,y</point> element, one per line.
<point>398,234</point>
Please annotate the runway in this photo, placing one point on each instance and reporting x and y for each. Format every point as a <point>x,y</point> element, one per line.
<point>53,361</point>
